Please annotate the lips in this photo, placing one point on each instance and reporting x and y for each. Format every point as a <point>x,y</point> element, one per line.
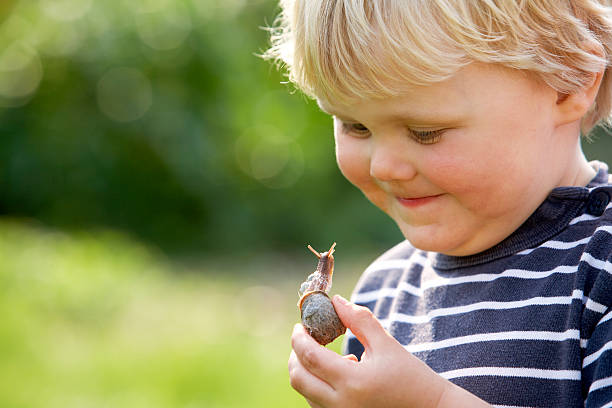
<point>413,202</point>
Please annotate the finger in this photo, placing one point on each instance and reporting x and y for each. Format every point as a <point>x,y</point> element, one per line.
<point>315,390</point>
<point>320,361</point>
<point>362,323</point>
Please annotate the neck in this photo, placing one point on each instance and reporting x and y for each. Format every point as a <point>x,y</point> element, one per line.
<point>578,172</point>
<point>585,174</point>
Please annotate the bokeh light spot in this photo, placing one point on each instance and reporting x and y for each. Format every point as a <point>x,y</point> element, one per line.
<point>62,40</point>
<point>164,28</point>
<point>291,172</point>
<point>269,156</point>
<point>124,94</point>
<point>65,10</point>
<point>20,74</point>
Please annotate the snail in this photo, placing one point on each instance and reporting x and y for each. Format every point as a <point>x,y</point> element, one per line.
<point>318,314</point>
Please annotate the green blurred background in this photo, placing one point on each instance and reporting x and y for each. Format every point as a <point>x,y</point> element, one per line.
<point>158,186</point>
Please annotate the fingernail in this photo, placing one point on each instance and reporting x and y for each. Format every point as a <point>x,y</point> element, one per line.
<point>341,300</point>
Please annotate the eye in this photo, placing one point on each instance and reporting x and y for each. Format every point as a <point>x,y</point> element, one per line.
<point>427,136</point>
<point>355,129</point>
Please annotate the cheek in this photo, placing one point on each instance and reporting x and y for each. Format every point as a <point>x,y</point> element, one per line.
<point>459,168</point>
<point>455,171</point>
<point>353,161</point>
<point>487,178</point>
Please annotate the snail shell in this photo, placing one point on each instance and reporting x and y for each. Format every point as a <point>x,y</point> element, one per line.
<point>317,311</point>
<point>320,318</point>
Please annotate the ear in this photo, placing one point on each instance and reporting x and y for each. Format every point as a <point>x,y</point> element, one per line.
<point>572,107</point>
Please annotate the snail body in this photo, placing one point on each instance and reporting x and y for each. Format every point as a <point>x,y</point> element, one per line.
<point>317,312</point>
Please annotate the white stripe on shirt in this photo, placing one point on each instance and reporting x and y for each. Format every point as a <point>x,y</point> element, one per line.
<point>449,311</point>
<point>513,372</point>
<point>596,263</point>
<point>370,296</point>
<point>587,217</point>
<point>567,244</point>
<point>599,384</point>
<point>557,245</point>
<point>594,356</point>
<point>570,334</point>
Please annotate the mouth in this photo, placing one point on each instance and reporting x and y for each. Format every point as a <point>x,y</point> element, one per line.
<point>414,202</point>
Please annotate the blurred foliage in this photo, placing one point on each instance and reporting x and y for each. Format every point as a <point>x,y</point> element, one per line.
<point>157,117</point>
<point>98,320</point>
<point>135,129</point>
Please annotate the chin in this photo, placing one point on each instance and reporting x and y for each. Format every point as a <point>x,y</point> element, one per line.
<point>433,241</point>
<point>431,247</point>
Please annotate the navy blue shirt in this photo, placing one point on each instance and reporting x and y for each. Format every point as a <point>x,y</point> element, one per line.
<point>526,323</point>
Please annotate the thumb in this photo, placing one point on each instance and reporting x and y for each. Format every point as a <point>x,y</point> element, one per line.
<point>362,323</point>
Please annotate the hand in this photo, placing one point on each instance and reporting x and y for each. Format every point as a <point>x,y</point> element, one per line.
<point>386,376</point>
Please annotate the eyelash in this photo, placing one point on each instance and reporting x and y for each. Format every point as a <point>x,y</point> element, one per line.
<point>422,137</point>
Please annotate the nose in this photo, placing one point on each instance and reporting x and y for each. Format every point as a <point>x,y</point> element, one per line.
<point>390,160</point>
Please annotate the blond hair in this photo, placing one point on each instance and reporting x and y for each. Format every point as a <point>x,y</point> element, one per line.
<point>343,50</point>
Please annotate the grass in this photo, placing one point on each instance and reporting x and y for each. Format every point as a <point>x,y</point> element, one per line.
<point>99,320</point>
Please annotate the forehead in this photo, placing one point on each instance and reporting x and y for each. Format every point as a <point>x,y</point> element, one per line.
<point>418,103</point>
<point>470,89</point>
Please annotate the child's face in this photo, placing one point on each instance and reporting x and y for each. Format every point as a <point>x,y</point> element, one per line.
<point>460,164</point>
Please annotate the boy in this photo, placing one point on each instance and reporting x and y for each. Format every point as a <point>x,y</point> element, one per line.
<point>461,119</point>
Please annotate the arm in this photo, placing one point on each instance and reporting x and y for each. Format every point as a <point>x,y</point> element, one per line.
<point>386,376</point>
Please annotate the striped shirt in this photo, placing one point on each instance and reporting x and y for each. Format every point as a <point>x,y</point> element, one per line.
<point>526,323</point>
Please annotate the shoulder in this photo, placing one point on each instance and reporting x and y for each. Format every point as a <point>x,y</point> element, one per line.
<point>588,233</point>
<point>586,247</point>
<point>586,240</point>
<point>594,226</point>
